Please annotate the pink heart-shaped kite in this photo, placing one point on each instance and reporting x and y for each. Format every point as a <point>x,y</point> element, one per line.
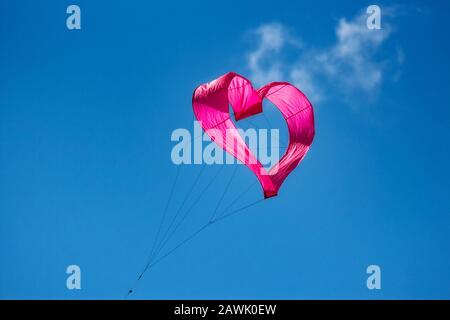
<point>211,101</point>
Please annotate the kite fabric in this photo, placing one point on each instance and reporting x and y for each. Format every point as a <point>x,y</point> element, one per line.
<point>211,102</point>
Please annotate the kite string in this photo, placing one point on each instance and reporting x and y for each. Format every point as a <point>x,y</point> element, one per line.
<point>237,198</point>
<point>200,230</point>
<point>153,254</point>
<point>179,209</point>
<point>163,219</point>
<point>223,194</point>
<point>187,212</point>
<point>222,216</point>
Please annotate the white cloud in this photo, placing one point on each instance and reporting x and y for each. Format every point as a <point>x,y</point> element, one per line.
<point>348,65</point>
<point>353,54</point>
<point>271,39</point>
<point>303,79</point>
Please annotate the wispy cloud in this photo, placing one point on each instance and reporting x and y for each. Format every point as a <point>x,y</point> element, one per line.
<point>347,66</point>
<point>271,39</point>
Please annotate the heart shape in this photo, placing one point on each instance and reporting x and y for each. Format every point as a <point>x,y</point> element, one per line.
<point>211,101</point>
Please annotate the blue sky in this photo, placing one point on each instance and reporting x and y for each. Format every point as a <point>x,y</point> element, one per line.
<point>85,168</point>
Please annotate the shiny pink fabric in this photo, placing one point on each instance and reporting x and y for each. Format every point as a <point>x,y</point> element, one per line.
<point>211,101</point>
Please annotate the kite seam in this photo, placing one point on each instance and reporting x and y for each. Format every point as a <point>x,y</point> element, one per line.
<point>292,115</point>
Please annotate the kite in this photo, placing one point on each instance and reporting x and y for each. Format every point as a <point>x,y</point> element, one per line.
<point>211,102</point>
